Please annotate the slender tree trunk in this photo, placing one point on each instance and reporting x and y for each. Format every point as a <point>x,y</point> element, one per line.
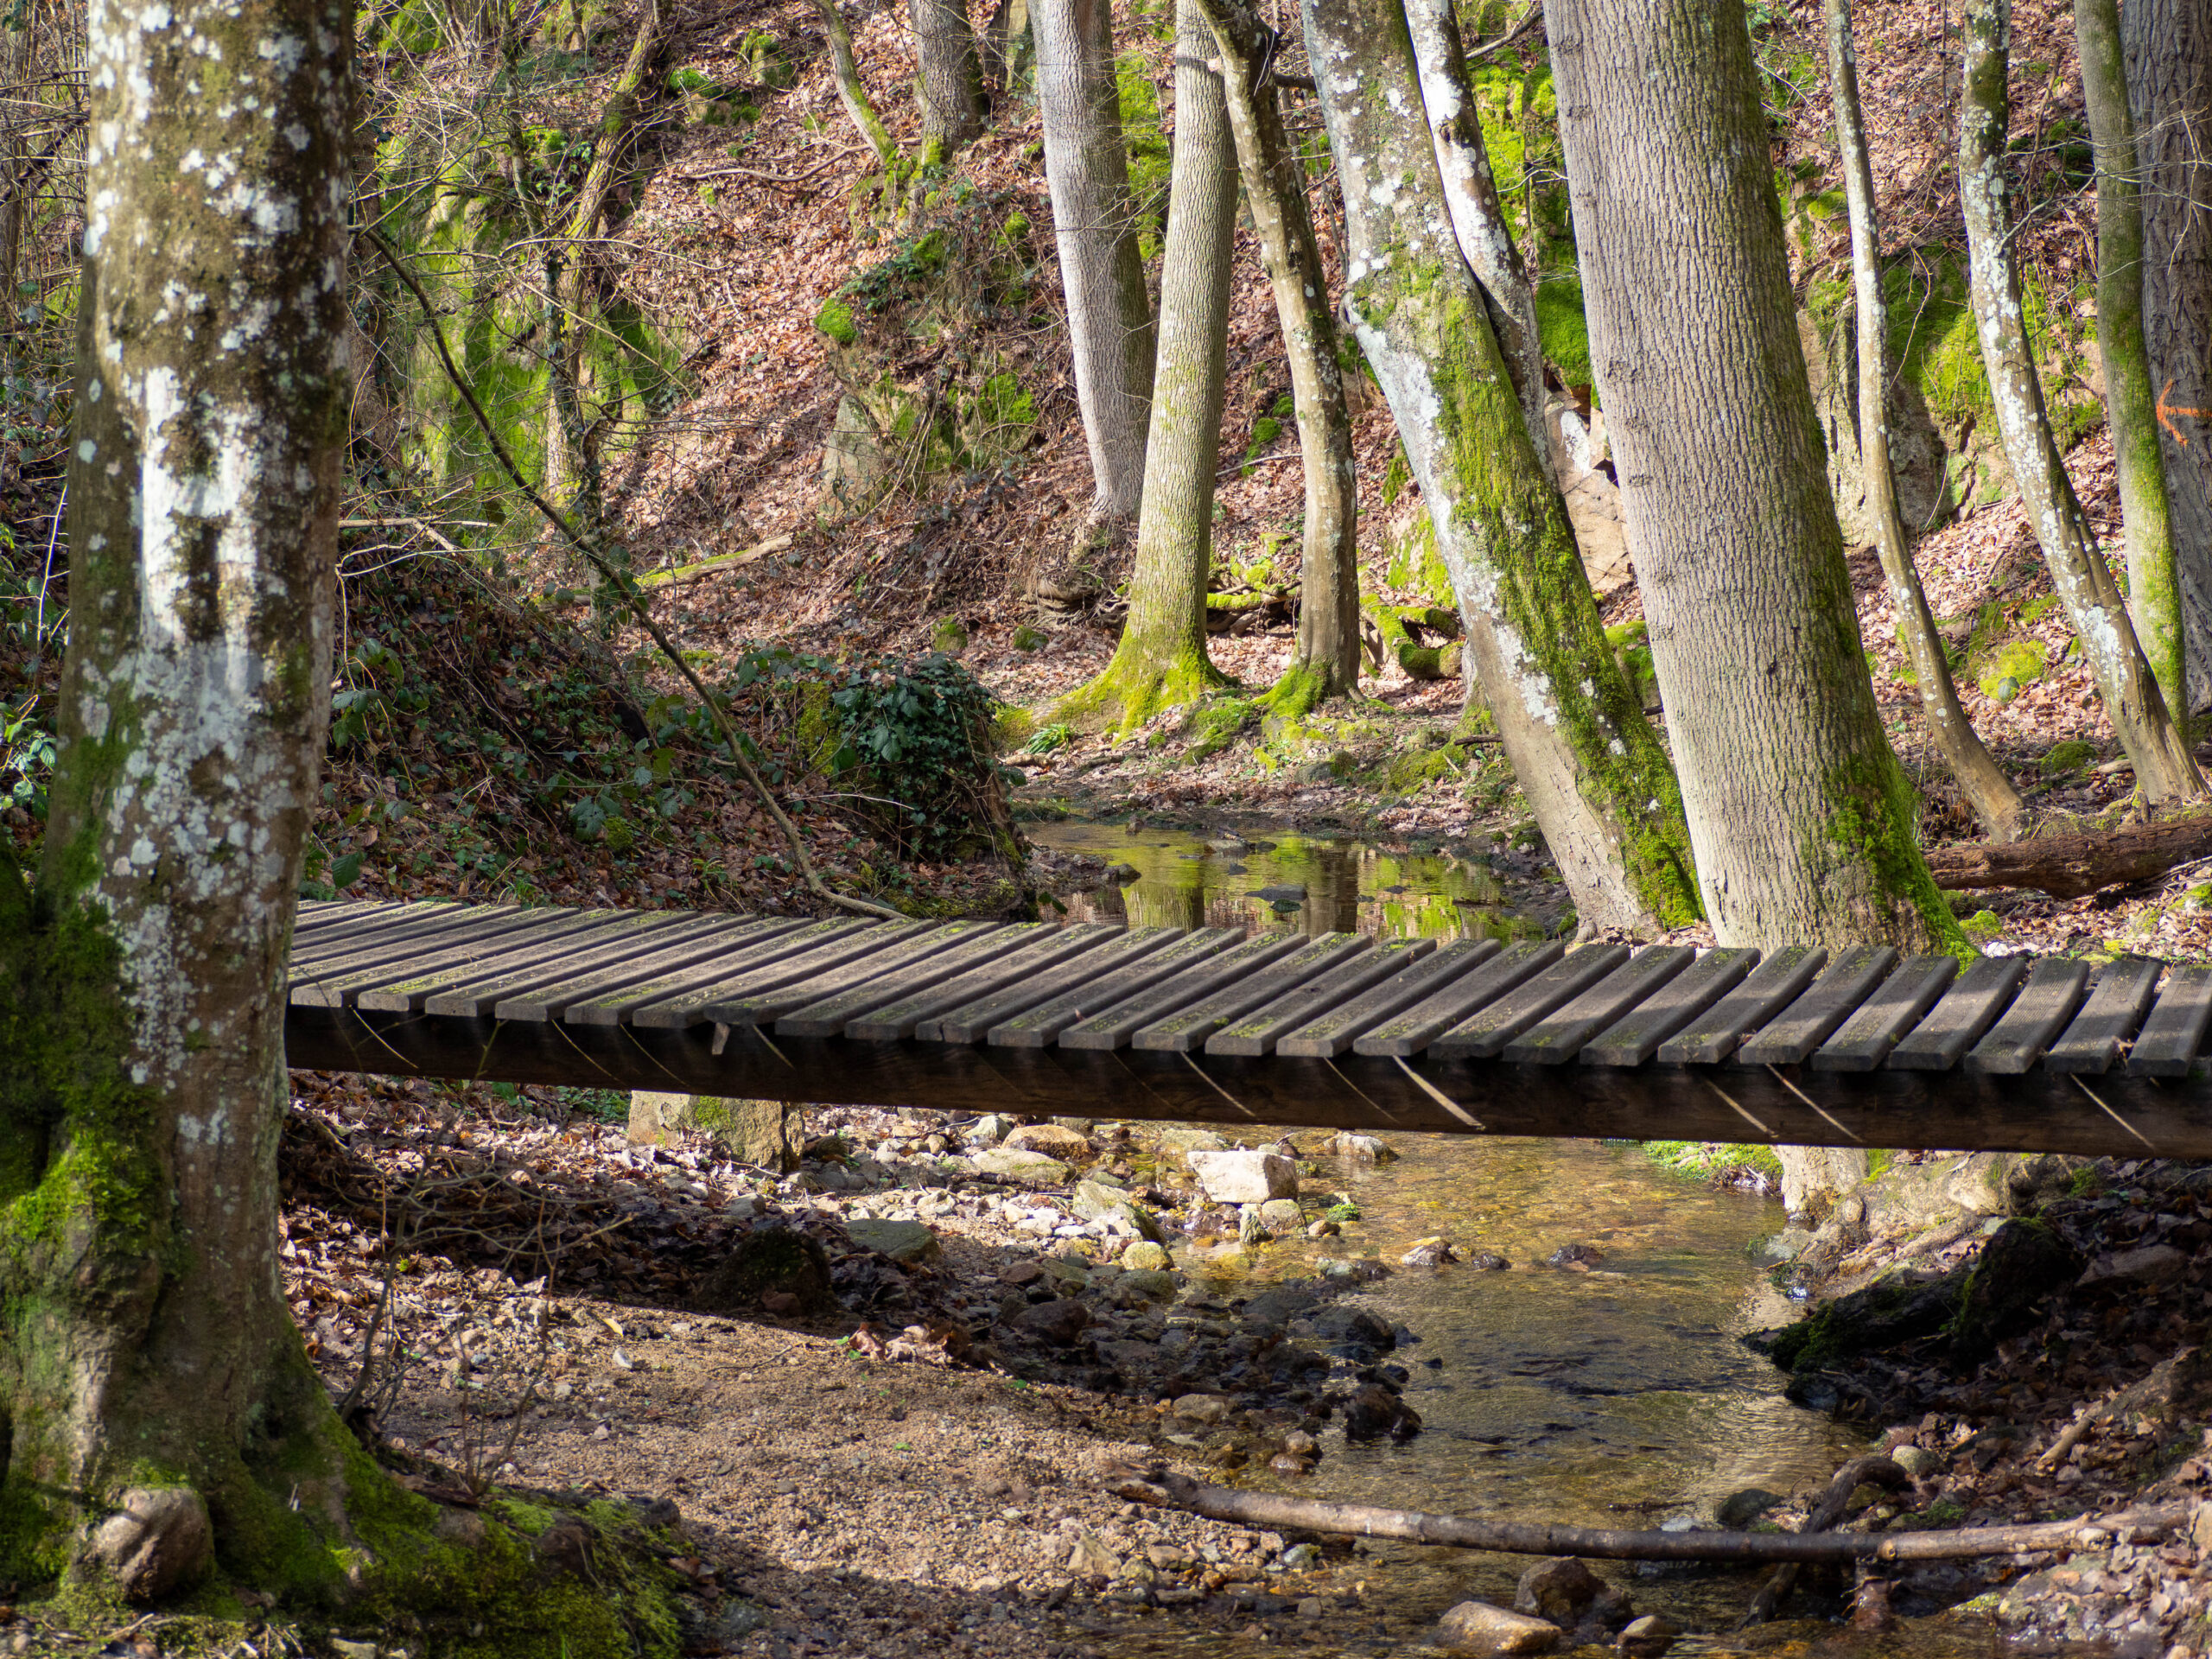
<point>1477,217</point>
<point>1804,824</point>
<point>1161,659</point>
<point>2165,770</point>
<point>2169,68</point>
<point>951,84</point>
<point>854,96</point>
<point>1987,790</point>
<point>1109,319</point>
<point>1326,663</point>
<point>1594,771</point>
<point>2130,401</point>
<point>146,1346</point>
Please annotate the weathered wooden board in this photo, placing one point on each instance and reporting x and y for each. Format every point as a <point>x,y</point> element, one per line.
<point>1637,1036</point>
<point>1716,1033</point>
<point>1560,1036</point>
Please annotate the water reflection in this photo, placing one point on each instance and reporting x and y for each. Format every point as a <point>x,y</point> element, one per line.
<point>1307,884</point>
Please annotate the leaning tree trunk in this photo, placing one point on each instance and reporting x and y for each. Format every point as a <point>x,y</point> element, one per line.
<point>950,86</point>
<point>1161,659</point>
<point>1804,824</point>
<point>1594,773</point>
<point>1110,319</point>
<point>1325,662</point>
<point>1987,790</point>
<point>854,96</point>
<point>2165,770</point>
<point>2169,72</point>
<point>148,1362</point>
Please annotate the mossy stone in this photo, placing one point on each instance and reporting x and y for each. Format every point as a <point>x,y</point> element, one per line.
<point>771,1260</point>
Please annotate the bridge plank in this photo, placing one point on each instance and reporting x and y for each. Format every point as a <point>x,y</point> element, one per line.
<point>795,953</point>
<point>1560,1036</point>
<point>1806,1024</point>
<point>2117,1003</point>
<point>828,1016</point>
<point>469,956</point>
<point>1331,1033</point>
<point>1865,1040</point>
<point>1967,1009</point>
<point>677,948</point>
<point>406,989</point>
<point>2045,1003</point>
<point>1113,1023</point>
<point>1779,981</point>
<point>723,983</point>
<point>904,1017</point>
<point>1485,982</point>
<point>2167,1047</point>
<point>1189,1027</point>
<point>630,935</point>
<point>1164,969</point>
<point>320,983</point>
<point>1482,1035</point>
<point>430,916</point>
<point>1635,1036</point>
<point>316,915</point>
<point>1260,1031</point>
<point>971,1022</point>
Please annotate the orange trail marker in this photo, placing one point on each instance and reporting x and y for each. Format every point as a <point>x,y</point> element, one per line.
<point>2167,410</point>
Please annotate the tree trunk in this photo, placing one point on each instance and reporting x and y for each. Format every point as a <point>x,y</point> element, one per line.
<point>1326,663</point>
<point>1110,319</point>
<point>1477,217</point>
<point>1802,821</point>
<point>1594,771</point>
<point>854,96</point>
<point>1811,1175</point>
<point>950,86</point>
<point>147,1348</point>
<point>2130,401</point>
<point>2165,770</point>
<point>1161,659</point>
<point>1987,789</point>
<point>2169,69</point>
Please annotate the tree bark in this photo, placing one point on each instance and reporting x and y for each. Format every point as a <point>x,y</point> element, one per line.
<point>1804,824</point>
<point>854,96</point>
<point>2165,770</point>
<point>1161,659</point>
<point>950,85</point>
<point>1109,319</point>
<point>2130,401</point>
<point>1984,783</point>
<point>1326,663</point>
<point>2168,46</point>
<point>147,1347</point>
<point>1594,773</point>
<point>2071,866</point>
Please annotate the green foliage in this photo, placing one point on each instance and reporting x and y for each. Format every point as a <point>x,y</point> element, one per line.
<point>1714,1159</point>
<point>1983,926</point>
<point>2005,671</point>
<point>1045,739</point>
<point>2062,758</point>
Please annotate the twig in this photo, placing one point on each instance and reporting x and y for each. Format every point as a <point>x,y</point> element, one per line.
<point>1829,1511</point>
<point>629,592</point>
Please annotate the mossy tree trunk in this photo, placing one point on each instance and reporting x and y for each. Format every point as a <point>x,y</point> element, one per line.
<point>1986,787</point>
<point>853,96</point>
<point>2168,46</point>
<point>950,85</point>
<point>1803,823</point>
<point>145,1345</point>
<point>1161,659</point>
<point>1094,225</point>
<point>1592,770</point>
<point>2165,770</point>
<point>2130,400</point>
<point>1326,663</point>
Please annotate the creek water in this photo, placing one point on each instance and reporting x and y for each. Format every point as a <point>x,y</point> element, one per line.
<point>1621,1396</point>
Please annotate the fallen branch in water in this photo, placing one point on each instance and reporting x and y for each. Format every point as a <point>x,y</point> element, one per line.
<point>2067,866</point>
<point>1848,1479</point>
<point>1172,1492</point>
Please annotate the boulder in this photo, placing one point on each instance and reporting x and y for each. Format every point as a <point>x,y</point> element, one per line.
<point>1095,1201</point>
<point>1207,1409</point>
<point>1557,1589</point>
<point>1360,1148</point>
<point>2023,1262</point>
<point>1647,1637</point>
<point>1090,1559</point>
<point>1429,1253</point>
<point>756,1132</point>
<point>905,1242</point>
<point>778,1261</point>
<point>1053,1140</point>
<point>1281,1216</point>
<point>1478,1628</point>
<point>1244,1176</point>
<point>1188,1140</point>
<point>2151,1264</point>
<point>1740,1508</point>
<point>1145,1257</point>
<point>1030,1168</point>
<point>1373,1411</point>
<point>1059,1323</point>
<point>989,1130</point>
<point>159,1539</point>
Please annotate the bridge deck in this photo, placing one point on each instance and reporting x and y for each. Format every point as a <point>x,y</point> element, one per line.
<point>1210,1024</point>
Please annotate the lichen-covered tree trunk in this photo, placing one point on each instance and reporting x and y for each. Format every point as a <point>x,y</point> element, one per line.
<point>1984,783</point>
<point>1109,319</point>
<point>1803,823</point>
<point>2168,46</point>
<point>2165,770</point>
<point>145,1346</point>
<point>1594,771</point>
<point>1161,659</point>
<point>1325,662</point>
<point>2130,401</point>
<point>950,86</point>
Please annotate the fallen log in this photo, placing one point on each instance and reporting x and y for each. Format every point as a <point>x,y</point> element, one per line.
<point>2067,866</point>
<point>1173,1491</point>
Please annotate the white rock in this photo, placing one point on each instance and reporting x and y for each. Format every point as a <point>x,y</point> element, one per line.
<point>1478,1628</point>
<point>1245,1177</point>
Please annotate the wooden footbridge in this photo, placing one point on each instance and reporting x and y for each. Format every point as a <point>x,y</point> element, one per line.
<point>1210,1025</point>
